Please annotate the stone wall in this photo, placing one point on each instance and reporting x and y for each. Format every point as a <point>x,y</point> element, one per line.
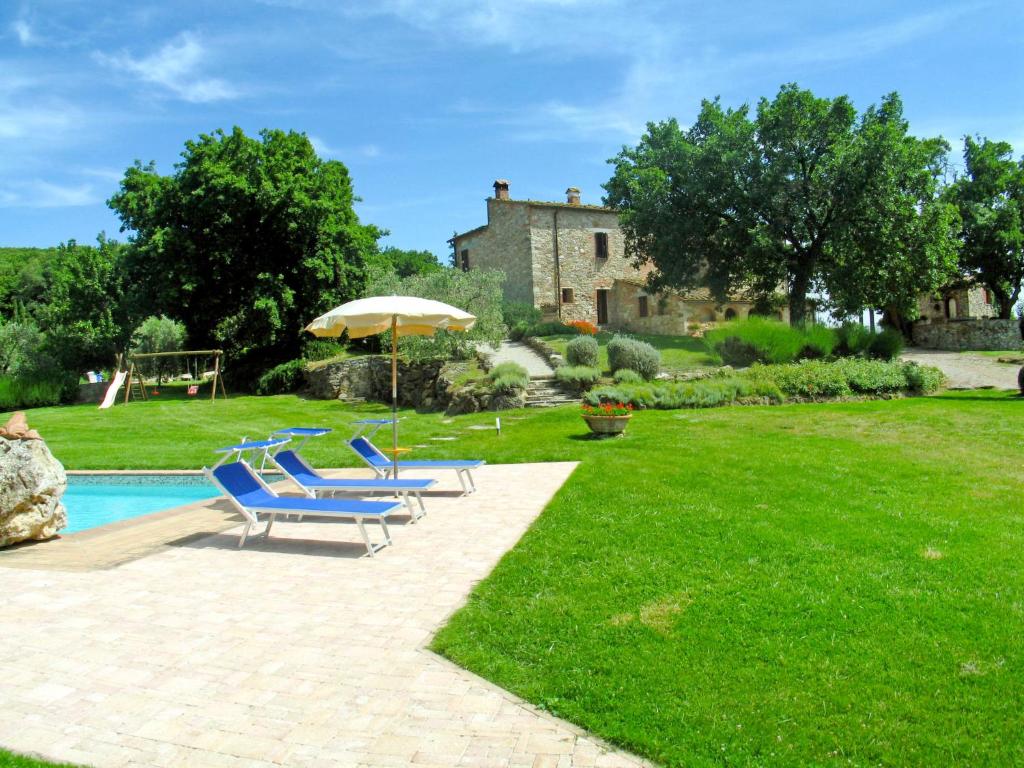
<point>957,335</point>
<point>503,244</point>
<point>578,266</point>
<point>420,385</point>
<point>668,314</point>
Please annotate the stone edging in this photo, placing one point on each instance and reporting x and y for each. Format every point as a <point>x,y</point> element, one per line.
<point>544,349</point>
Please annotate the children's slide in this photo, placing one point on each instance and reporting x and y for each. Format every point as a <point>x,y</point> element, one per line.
<point>115,385</point>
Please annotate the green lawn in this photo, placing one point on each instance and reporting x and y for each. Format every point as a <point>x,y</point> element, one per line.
<point>11,760</point>
<point>678,353</point>
<point>783,586</point>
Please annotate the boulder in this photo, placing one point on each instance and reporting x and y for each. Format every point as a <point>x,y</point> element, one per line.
<point>32,482</point>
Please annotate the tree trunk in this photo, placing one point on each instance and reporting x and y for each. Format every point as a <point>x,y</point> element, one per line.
<point>798,287</point>
<point>893,318</point>
<point>1003,301</point>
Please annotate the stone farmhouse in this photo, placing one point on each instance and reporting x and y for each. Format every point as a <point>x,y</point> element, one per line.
<point>963,316</point>
<point>568,260</point>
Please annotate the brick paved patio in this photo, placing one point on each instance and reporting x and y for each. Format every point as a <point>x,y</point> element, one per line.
<point>294,652</point>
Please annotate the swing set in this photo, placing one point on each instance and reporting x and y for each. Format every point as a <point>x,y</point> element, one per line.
<point>135,385</point>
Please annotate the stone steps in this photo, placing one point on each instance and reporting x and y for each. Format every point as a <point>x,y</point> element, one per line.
<point>545,392</point>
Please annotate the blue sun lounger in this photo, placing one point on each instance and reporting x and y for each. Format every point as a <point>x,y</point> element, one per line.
<point>251,496</point>
<point>298,470</point>
<point>383,466</point>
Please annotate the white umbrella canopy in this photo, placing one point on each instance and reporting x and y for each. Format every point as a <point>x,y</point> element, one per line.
<point>403,316</point>
<point>411,315</point>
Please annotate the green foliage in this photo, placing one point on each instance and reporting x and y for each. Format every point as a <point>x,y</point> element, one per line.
<point>887,345</point>
<point>550,328</point>
<point>582,351</point>
<point>314,349</point>
<point>854,339</point>
<point>83,314</point>
<point>757,339</point>
<point>406,263</point>
<point>816,379</point>
<point>990,200</point>
<point>639,356</point>
<point>32,391</point>
<point>923,379</point>
<point>23,278</point>
<point>246,242</point>
<point>282,379</point>
<point>508,378</point>
<point>516,312</point>
<point>803,193</point>
<point>819,341</point>
<point>578,377</point>
<point>703,393</point>
<point>477,292</point>
<point>159,334</point>
<point>627,376</point>
<point>21,346</point>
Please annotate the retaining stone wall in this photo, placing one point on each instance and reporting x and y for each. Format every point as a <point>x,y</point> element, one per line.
<point>959,335</point>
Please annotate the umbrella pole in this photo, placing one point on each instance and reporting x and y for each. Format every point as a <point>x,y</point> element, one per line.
<point>394,395</point>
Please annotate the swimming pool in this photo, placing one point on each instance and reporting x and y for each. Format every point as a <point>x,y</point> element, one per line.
<point>95,500</point>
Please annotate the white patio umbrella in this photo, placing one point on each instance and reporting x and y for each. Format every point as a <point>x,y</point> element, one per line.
<point>403,316</point>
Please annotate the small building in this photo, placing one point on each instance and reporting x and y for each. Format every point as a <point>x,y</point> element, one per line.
<point>568,259</point>
<point>962,317</point>
<point>964,301</point>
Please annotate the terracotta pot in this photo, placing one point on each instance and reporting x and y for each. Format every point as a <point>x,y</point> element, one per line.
<point>607,425</point>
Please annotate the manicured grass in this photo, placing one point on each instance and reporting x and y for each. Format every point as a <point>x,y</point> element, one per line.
<point>790,585</point>
<point>11,760</point>
<point>803,585</point>
<point>1016,353</point>
<point>677,352</point>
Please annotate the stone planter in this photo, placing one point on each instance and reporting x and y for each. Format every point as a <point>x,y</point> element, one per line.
<point>607,425</point>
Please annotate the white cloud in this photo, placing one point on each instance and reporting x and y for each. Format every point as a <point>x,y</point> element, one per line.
<point>44,194</point>
<point>24,32</point>
<point>326,150</point>
<point>176,67</point>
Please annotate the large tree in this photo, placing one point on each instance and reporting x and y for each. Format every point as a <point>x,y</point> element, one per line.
<point>803,195</point>
<point>990,197</point>
<point>245,242</point>
<point>83,313</point>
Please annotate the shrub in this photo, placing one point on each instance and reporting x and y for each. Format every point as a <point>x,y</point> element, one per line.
<point>582,351</point>
<point>923,379</point>
<point>320,349</point>
<point>758,339</point>
<point>508,378</point>
<point>583,327</point>
<point>872,376</point>
<point>705,393</point>
<point>519,331</point>
<point>551,328</point>
<point>886,345</point>
<point>639,356</point>
<point>627,376</point>
<point>854,339</point>
<point>578,377</point>
<point>819,341</point>
<point>282,379</point>
<point>31,392</point>
<point>515,313</point>
<point>812,378</point>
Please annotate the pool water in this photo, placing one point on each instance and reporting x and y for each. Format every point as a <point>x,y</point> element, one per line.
<point>96,500</point>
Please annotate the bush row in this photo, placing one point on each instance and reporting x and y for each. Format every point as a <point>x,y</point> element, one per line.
<point>815,379</point>
<point>578,377</point>
<point>760,340</point>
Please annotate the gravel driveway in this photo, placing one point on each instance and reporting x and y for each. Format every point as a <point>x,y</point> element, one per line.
<point>966,370</point>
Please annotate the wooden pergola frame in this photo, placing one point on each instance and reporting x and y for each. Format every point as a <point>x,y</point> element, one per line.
<point>133,370</point>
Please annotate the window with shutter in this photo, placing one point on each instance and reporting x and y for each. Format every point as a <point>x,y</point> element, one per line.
<point>601,245</point>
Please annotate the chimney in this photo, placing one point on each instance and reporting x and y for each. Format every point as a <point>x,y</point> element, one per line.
<point>501,189</point>
<point>572,196</point>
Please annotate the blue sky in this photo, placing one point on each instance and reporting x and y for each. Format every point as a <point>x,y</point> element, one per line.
<point>428,102</point>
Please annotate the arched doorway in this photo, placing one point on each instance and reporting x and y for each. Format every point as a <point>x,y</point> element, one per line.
<point>951,308</point>
<point>730,314</point>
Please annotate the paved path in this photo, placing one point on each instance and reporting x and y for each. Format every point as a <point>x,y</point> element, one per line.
<point>517,352</point>
<point>293,652</point>
<point>965,370</point>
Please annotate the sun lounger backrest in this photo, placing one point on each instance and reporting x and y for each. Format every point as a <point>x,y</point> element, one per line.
<point>293,464</point>
<point>365,448</point>
<point>240,483</point>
